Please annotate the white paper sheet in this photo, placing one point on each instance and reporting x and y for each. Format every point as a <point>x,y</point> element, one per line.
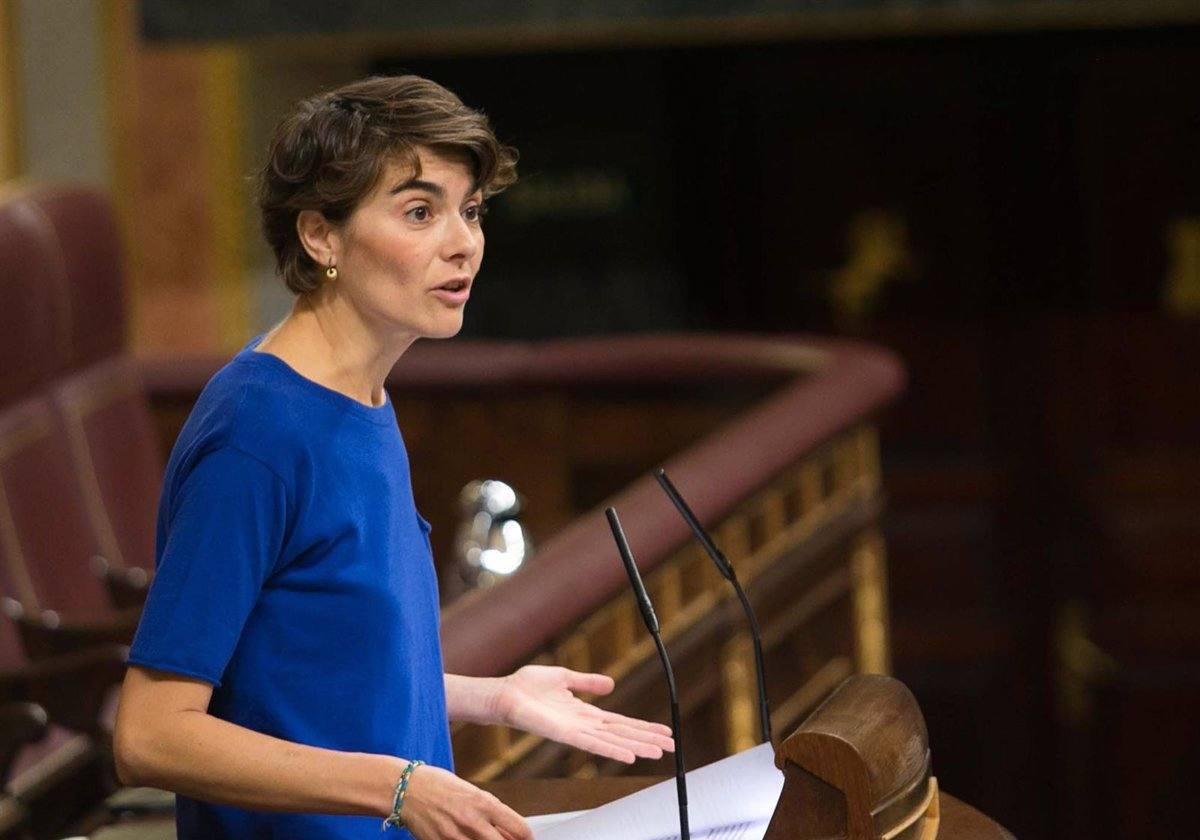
<point>542,821</point>
<point>730,799</point>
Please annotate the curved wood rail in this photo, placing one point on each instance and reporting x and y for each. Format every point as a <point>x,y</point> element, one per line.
<point>834,385</point>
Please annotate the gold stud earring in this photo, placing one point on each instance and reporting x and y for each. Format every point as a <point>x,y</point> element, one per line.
<point>331,272</point>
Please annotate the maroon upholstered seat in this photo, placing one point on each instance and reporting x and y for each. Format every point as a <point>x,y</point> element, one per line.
<point>60,269</point>
<point>33,338</point>
<point>62,264</point>
<point>78,690</point>
<point>113,444</point>
<point>47,543</point>
<point>46,578</point>
<point>88,246</point>
<point>54,778</point>
<point>77,465</point>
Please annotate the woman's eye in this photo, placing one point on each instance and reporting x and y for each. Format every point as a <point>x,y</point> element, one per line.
<point>475,212</point>
<point>419,214</point>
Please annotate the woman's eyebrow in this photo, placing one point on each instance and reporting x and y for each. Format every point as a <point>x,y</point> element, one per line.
<point>427,186</point>
<point>418,184</point>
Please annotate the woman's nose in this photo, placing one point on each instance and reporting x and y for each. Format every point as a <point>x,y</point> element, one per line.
<point>462,239</point>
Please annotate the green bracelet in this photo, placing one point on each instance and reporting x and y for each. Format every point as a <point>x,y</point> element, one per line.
<point>394,820</point>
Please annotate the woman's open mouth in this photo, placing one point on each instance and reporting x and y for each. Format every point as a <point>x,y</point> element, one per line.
<point>454,292</point>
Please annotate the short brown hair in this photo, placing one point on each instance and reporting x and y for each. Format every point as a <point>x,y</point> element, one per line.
<point>330,151</point>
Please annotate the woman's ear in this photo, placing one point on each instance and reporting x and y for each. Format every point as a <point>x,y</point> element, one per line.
<point>320,237</point>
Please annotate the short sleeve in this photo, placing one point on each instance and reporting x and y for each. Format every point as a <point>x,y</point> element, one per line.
<point>223,538</point>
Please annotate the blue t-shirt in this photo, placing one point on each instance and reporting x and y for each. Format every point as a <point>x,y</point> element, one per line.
<point>294,574</point>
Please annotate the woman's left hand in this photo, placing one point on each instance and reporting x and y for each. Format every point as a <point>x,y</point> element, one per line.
<point>541,699</point>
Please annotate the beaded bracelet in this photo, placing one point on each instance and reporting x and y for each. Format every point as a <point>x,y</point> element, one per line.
<point>394,819</point>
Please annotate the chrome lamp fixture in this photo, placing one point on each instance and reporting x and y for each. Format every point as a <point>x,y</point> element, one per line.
<point>491,543</point>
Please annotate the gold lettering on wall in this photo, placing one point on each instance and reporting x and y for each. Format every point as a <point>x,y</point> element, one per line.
<point>879,255</point>
<point>1181,296</point>
<point>581,194</point>
<point>1081,665</point>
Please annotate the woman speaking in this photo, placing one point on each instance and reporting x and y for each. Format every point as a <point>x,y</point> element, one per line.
<point>286,678</point>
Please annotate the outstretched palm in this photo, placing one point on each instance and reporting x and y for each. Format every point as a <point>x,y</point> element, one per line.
<point>541,699</point>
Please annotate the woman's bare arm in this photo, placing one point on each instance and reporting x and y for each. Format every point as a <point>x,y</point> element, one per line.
<point>166,738</point>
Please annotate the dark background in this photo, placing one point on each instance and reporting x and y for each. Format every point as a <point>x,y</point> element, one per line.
<point>166,20</point>
<point>1044,468</point>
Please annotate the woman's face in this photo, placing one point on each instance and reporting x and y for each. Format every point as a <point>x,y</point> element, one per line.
<point>410,250</point>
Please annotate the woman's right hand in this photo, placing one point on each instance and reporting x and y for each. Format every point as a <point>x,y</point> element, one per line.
<point>441,806</point>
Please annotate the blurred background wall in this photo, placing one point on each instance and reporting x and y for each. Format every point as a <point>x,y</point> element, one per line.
<point>1007,193</point>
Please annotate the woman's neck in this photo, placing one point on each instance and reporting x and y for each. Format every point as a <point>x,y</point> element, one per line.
<point>323,340</point>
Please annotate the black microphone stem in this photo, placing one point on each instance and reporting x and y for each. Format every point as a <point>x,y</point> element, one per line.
<point>680,784</point>
<point>764,714</point>
<point>647,610</point>
<point>726,570</point>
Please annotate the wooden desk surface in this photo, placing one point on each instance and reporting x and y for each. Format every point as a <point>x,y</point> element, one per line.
<point>529,797</point>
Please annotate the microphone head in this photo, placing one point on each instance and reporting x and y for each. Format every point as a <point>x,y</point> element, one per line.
<point>702,536</point>
<point>631,569</point>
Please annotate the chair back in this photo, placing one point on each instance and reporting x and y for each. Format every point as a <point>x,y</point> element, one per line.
<point>46,543</point>
<point>87,243</point>
<point>113,443</point>
<point>33,340</point>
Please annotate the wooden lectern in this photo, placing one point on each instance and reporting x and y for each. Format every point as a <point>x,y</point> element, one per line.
<point>857,769</point>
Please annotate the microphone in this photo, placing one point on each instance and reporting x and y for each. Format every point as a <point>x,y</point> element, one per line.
<point>639,590</point>
<point>726,570</point>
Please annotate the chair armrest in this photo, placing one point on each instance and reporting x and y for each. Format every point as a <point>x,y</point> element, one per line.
<point>14,819</point>
<point>20,724</point>
<point>72,688</point>
<point>127,587</point>
<point>51,633</point>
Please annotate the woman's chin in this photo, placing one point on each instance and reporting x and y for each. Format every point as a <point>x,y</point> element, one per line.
<point>446,329</point>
